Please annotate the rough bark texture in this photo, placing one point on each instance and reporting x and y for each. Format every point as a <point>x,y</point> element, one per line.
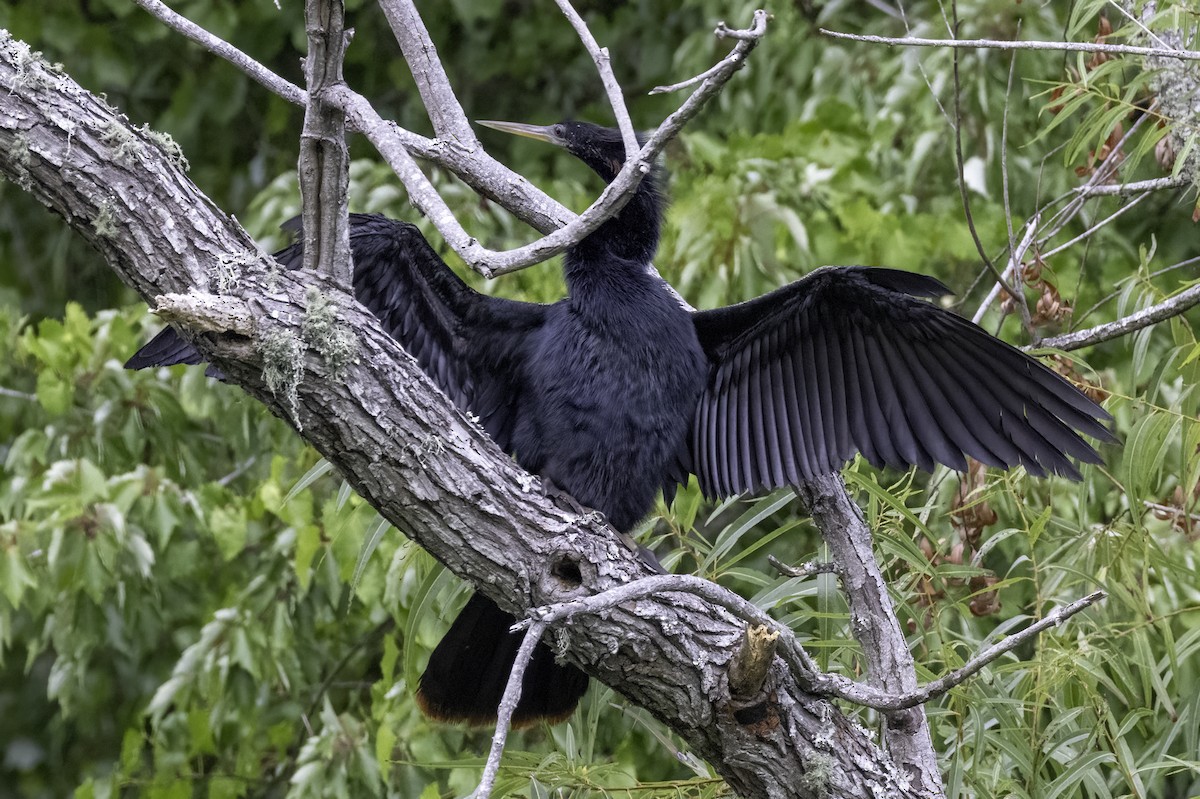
<point>425,466</point>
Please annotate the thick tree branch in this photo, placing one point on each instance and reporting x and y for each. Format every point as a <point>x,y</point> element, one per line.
<point>463,501</point>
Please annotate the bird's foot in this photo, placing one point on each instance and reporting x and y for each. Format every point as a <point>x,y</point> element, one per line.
<point>645,555</point>
<point>552,490</point>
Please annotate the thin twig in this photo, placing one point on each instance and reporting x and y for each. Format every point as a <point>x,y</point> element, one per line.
<point>238,471</point>
<point>1174,306</point>
<point>722,32</point>
<point>1008,219</point>
<point>284,88</point>
<point>943,684</point>
<point>617,193</point>
<point>999,44</point>
<point>1014,264</point>
<point>683,84</point>
<point>14,394</point>
<point>933,94</point>
<point>1137,23</point>
<point>508,704</point>
<point>1176,512</point>
<point>1091,230</point>
<point>1114,294</point>
<point>1105,170</point>
<point>1121,189</point>
<point>810,569</point>
<point>604,66</point>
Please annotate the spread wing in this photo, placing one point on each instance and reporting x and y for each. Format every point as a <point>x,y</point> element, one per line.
<point>471,345</point>
<point>850,360</point>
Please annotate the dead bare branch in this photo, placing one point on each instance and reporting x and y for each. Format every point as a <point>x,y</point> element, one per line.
<point>508,706</point>
<point>603,64</point>
<point>1181,302</point>
<point>445,112</point>
<point>1000,44</point>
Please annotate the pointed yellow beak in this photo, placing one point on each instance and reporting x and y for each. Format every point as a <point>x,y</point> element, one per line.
<point>540,132</point>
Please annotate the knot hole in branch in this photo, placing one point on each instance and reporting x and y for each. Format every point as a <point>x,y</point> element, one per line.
<point>565,567</point>
<point>564,577</point>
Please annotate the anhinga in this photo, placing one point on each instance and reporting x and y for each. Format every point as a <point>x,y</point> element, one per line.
<point>617,391</point>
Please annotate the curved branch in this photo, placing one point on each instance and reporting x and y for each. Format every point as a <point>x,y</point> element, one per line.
<point>790,648</point>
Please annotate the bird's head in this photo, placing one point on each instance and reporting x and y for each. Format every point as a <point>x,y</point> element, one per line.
<point>600,148</point>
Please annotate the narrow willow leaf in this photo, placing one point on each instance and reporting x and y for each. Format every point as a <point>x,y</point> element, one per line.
<point>319,470</point>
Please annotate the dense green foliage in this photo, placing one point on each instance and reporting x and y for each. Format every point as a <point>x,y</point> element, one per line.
<point>191,604</point>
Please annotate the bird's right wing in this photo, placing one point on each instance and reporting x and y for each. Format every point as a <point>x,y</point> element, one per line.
<point>471,345</point>
<point>849,359</point>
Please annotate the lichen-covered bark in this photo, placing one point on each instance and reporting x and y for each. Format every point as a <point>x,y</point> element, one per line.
<point>425,466</point>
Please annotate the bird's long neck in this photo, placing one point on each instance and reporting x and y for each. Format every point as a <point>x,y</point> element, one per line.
<point>628,240</point>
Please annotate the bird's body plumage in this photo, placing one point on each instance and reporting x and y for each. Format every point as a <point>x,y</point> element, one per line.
<point>618,390</point>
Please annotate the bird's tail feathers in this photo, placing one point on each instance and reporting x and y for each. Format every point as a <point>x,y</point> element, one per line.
<point>468,670</point>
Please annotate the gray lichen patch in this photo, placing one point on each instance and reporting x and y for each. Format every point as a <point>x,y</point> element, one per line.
<point>169,146</point>
<point>32,70</point>
<point>124,144</point>
<point>225,274</point>
<point>105,223</point>
<point>21,159</point>
<point>283,362</point>
<point>325,333</point>
<point>818,771</point>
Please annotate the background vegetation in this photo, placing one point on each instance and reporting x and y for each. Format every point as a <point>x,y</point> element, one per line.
<point>192,605</point>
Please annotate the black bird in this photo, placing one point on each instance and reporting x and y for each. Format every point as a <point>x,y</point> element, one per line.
<point>618,391</point>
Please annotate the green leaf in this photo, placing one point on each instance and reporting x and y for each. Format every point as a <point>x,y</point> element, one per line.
<point>368,548</point>
<point>15,576</point>
<point>55,394</point>
<point>319,470</point>
<point>228,526</point>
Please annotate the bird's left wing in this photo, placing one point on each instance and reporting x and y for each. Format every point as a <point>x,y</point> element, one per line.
<point>850,359</point>
<point>471,345</point>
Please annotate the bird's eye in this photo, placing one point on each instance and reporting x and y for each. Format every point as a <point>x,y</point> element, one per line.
<point>560,130</point>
